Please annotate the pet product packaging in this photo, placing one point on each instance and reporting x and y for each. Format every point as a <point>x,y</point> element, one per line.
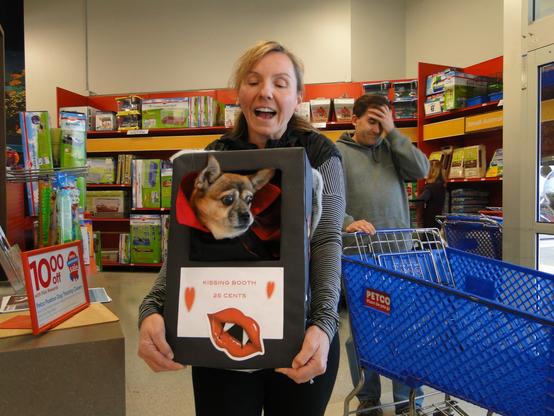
<point>457,164</point>
<point>194,111</point>
<point>89,112</point>
<point>129,103</point>
<point>124,248</point>
<point>165,183</point>
<point>475,161</point>
<point>434,104</point>
<point>211,283</point>
<point>146,239</point>
<point>343,109</point>
<point>161,113</point>
<point>128,120</point>
<point>459,87</point>
<point>232,111</point>
<point>303,110</point>
<point>405,90</point>
<point>73,147</point>
<point>378,88</point>
<point>101,170</point>
<point>320,110</point>
<point>497,164</point>
<point>146,183</point>
<point>110,204</point>
<point>37,150</point>
<point>208,111</point>
<point>105,121</point>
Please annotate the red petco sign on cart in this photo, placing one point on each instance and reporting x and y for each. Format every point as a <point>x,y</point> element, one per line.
<point>56,284</point>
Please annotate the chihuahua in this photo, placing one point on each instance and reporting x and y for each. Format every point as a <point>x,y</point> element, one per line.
<point>222,201</point>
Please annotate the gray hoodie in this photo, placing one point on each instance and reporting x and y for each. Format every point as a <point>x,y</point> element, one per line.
<point>374,179</point>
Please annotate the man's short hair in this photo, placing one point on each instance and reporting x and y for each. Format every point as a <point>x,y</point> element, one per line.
<point>369,101</point>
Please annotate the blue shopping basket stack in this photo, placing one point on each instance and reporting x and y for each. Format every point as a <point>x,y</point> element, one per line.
<point>473,327</point>
<point>477,234</point>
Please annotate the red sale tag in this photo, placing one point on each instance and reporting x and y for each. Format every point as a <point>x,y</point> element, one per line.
<point>56,284</point>
<point>377,300</point>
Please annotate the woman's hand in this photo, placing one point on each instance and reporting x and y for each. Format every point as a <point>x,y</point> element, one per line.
<point>311,361</point>
<point>153,348</point>
<point>361,225</point>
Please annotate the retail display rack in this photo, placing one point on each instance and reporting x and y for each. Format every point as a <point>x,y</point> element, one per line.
<point>479,124</point>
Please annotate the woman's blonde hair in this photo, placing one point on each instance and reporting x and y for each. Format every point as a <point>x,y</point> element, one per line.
<point>436,172</point>
<point>244,65</point>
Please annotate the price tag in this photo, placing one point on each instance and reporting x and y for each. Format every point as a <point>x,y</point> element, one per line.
<point>56,284</point>
<point>136,132</point>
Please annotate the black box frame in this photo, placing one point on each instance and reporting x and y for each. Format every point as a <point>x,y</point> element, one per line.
<point>296,200</point>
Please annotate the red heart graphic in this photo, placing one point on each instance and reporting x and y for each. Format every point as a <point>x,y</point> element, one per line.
<point>189,297</point>
<point>269,289</point>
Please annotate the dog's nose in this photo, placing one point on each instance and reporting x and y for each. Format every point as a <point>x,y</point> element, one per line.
<point>244,216</point>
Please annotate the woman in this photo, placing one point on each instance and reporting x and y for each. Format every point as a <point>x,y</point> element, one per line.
<point>433,195</point>
<point>269,83</point>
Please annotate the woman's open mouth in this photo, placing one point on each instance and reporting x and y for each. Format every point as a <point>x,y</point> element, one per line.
<point>235,334</point>
<point>265,113</point>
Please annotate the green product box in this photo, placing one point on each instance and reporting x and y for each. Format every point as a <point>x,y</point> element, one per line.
<point>148,181</point>
<point>101,170</point>
<point>162,113</point>
<point>106,203</point>
<point>166,181</point>
<point>458,88</point>
<point>146,239</point>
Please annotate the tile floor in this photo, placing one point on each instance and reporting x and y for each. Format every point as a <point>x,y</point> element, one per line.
<point>151,394</point>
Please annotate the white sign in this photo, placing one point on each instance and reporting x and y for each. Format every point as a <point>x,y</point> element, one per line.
<point>56,284</point>
<point>237,308</point>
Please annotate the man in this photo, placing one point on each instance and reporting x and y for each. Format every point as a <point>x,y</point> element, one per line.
<point>377,159</point>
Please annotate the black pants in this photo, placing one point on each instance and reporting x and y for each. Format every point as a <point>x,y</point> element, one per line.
<point>238,393</point>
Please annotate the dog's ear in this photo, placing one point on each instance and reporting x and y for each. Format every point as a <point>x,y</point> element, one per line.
<point>208,175</point>
<point>261,178</point>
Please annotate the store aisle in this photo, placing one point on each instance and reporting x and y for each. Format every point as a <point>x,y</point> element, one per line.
<point>154,394</point>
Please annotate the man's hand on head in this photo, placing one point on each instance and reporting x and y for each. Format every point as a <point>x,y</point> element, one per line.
<point>383,114</point>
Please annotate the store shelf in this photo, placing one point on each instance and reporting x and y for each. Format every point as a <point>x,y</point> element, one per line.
<point>108,219</point>
<point>108,185</point>
<point>486,121</point>
<point>464,111</point>
<point>116,264</point>
<point>151,209</point>
<point>189,131</point>
<point>499,179</point>
<point>133,144</point>
<point>441,129</point>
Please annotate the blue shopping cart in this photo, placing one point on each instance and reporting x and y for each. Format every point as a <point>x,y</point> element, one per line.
<point>475,328</point>
<point>477,234</point>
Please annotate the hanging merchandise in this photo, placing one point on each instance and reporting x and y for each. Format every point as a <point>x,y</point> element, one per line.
<point>37,150</point>
<point>73,146</point>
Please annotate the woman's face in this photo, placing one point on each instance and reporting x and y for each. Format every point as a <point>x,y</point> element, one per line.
<point>268,97</point>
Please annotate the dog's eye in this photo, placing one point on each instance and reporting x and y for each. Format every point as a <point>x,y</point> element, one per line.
<point>248,199</point>
<point>228,199</point>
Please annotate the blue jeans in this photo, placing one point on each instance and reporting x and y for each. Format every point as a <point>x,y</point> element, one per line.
<point>372,386</point>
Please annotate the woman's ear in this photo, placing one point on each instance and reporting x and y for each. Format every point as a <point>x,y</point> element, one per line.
<point>298,101</point>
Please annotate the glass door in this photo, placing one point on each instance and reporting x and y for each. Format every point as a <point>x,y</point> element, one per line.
<point>541,133</point>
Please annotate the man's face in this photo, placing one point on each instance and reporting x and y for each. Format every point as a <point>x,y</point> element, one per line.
<point>367,129</point>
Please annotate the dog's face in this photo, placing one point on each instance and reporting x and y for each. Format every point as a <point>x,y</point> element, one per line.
<point>222,201</point>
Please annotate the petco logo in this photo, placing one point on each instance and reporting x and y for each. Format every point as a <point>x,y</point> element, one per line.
<point>377,300</point>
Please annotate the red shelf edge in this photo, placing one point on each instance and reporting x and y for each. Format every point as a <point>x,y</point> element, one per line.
<point>497,179</point>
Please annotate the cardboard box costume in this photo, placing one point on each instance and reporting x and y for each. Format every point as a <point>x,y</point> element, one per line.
<point>241,303</point>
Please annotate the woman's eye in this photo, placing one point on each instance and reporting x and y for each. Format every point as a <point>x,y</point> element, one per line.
<point>227,200</point>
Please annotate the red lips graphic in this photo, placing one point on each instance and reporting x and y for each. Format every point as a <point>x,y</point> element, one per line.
<point>227,343</point>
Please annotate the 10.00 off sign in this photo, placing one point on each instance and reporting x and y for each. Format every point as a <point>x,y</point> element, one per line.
<point>56,284</point>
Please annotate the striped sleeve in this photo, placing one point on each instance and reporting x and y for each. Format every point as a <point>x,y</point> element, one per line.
<point>154,300</point>
<point>326,248</point>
